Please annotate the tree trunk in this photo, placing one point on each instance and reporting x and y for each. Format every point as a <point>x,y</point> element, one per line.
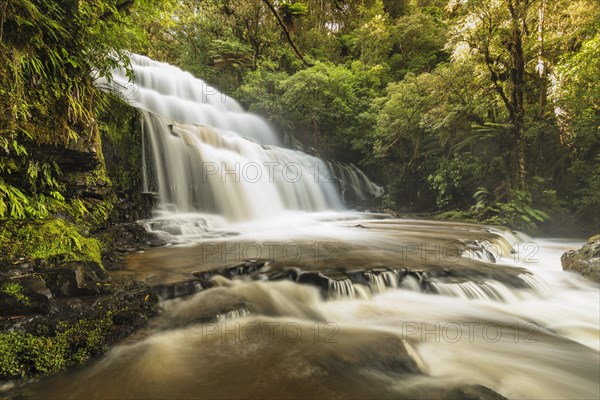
<point>541,64</point>
<point>518,15</point>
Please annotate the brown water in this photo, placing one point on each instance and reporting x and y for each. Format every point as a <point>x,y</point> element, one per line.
<point>385,339</point>
<point>431,315</point>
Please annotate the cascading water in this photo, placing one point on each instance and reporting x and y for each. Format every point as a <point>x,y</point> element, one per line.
<point>211,156</point>
<point>199,168</point>
<point>165,90</point>
<point>335,304</point>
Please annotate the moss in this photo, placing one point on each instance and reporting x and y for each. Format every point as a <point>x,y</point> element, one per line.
<point>15,290</point>
<point>45,239</point>
<point>24,354</point>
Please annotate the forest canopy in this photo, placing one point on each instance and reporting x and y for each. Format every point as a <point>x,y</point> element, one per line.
<point>480,110</point>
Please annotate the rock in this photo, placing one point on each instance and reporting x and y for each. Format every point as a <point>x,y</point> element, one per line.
<point>178,289</point>
<point>202,308</point>
<point>586,260</point>
<point>249,268</point>
<point>126,238</point>
<point>366,349</point>
<point>77,278</point>
<point>23,304</point>
<point>22,292</point>
<point>473,392</point>
<point>71,329</point>
<point>131,304</point>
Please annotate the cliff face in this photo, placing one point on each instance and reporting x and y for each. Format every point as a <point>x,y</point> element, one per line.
<point>585,261</point>
<point>122,145</point>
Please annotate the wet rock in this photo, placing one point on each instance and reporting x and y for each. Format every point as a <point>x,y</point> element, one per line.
<point>131,304</point>
<point>586,260</point>
<point>22,292</point>
<point>473,392</point>
<point>202,308</point>
<point>339,282</point>
<point>314,278</point>
<point>126,238</point>
<point>249,268</point>
<point>75,279</point>
<point>35,284</point>
<point>369,350</point>
<point>178,289</point>
<point>22,304</point>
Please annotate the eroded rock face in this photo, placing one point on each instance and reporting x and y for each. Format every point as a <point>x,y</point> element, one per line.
<point>586,260</point>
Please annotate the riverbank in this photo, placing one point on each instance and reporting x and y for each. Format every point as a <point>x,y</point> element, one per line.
<point>384,321</point>
<point>59,305</point>
<point>66,298</point>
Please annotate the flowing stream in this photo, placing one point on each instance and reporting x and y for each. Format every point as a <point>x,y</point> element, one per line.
<point>333,303</point>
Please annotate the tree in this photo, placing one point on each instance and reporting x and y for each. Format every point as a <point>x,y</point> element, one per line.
<point>323,104</point>
<point>577,96</point>
<point>284,27</point>
<point>496,32</point>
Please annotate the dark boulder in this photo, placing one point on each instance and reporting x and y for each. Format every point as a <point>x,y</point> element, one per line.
<point>76,279</point>
<point>473,392</point>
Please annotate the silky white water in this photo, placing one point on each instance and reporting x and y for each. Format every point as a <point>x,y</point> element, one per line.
<point>205,154</point>
<point>442,305</point>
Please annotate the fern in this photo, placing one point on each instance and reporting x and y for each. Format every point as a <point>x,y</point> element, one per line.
<point>13,202</point>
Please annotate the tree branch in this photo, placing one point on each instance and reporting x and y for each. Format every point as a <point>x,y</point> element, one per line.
<point>497,86</point>
<point>285,31</point>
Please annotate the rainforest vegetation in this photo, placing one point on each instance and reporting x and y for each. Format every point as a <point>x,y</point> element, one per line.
<point>482,110</point>
<point>472,110</point>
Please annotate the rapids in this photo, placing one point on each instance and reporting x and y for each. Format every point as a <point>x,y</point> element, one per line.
<point>339,304</point>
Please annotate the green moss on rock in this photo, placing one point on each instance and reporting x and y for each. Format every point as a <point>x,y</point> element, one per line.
<point>25,354</point>
<point>15,290</point>
<point>73,331</point>
<point>46,239</point>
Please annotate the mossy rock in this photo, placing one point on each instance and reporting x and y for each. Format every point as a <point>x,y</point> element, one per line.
<point>73,331</point>
<point>586,260</point>
<point>28,240</point>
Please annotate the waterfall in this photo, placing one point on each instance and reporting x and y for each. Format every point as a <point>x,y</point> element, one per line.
<point>332,304</point>
<point>356,186</point>
<point>210,156</point>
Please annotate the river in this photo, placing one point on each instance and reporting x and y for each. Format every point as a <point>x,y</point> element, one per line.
<point>304,299</point>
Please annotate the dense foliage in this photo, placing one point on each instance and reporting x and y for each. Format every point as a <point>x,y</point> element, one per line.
<point>486,109</point>
<point>50,54</point>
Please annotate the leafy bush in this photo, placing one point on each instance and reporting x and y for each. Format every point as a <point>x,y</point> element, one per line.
<point>455,177</point>
<point>516,212</point>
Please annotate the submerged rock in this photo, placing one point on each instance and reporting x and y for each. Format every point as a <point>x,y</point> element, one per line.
<point>472,392</point>
<point>586,260</point>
